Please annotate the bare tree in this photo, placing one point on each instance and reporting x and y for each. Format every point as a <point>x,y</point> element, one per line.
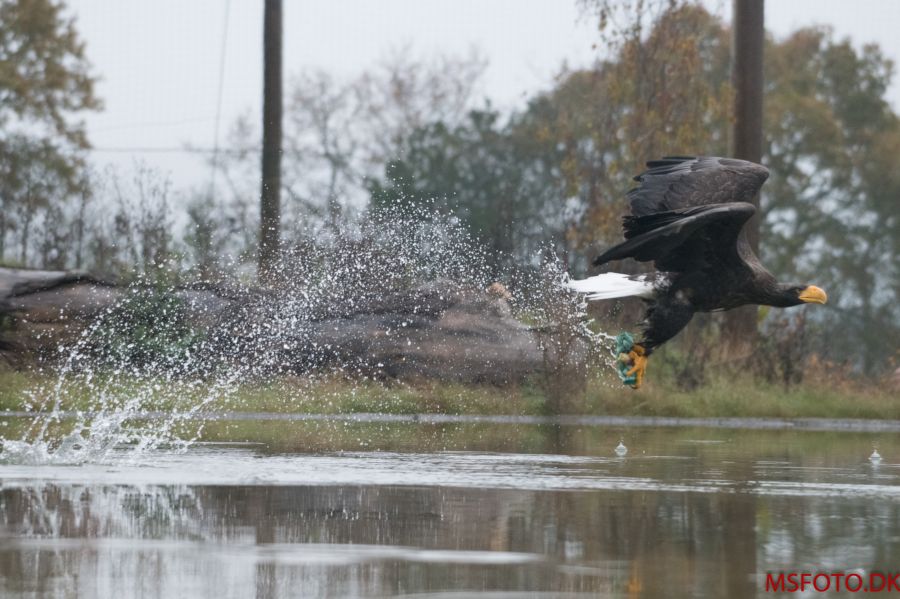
<point>403,93</point>
<point>323,145</point>
<point>339,132</point>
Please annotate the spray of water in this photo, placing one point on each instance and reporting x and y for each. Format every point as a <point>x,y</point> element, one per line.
<point>145,367</point>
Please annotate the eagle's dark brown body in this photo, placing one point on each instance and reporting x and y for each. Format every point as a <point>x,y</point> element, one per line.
<point>687,217</point>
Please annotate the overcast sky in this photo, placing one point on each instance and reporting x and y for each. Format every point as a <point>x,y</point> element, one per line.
<point>159,61</point>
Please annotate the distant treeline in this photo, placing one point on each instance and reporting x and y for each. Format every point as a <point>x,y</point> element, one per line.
<point>551,174</point>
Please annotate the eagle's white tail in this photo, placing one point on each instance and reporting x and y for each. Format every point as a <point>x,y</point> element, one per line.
<point>611,285</point>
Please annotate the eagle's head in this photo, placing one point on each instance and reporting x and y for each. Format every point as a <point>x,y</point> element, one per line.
<point>794,295</point>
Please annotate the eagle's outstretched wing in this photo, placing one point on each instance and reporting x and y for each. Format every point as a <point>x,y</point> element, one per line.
<point>686,240</point>
<point>689,212</point>
<point>679,182</point>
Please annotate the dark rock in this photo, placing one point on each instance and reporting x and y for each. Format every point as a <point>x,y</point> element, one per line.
<point>434,331</point>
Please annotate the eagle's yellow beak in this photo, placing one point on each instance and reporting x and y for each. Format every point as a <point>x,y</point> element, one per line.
<point>813,295</point>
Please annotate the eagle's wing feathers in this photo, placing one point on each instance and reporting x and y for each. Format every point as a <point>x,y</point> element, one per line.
<point>680,182</point>
<point>679,240</point>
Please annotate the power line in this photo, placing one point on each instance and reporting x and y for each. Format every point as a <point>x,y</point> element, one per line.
<point>173,150</point>
<point>143,124</point>
<point>215,153</point>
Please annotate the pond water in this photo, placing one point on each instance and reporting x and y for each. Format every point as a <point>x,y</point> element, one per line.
<point>342,509</point>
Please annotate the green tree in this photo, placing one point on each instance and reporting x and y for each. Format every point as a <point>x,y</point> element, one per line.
<point>830,211</point>
<point>45,81</point>
<point>831,143</point>
<point>487,174</point>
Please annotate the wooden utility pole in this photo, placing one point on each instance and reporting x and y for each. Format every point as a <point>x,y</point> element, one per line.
<point>270,201</point>
<point>748,31</point>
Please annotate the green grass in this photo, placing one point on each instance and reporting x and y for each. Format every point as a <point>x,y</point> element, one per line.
<point>725,395</point>
<point>745,396</point>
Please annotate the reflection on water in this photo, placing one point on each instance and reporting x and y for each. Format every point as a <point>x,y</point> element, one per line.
<point>686,513</point>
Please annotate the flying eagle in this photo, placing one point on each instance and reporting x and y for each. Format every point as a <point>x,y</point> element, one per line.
<point>687,217</point>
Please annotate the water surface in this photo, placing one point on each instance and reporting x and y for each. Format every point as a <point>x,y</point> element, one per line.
<point>277,509</point>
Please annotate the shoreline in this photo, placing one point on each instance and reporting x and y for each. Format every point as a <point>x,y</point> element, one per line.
<point>749,423</point>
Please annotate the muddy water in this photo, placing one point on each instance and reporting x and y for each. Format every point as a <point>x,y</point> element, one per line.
<point>383,509</point>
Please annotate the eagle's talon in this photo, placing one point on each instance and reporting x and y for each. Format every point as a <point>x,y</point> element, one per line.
<point>639,360</point>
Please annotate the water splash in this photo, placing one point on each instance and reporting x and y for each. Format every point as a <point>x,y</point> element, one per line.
<point>175,352</point>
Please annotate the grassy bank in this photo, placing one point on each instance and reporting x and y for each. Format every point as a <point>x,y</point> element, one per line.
<point>731,395</point>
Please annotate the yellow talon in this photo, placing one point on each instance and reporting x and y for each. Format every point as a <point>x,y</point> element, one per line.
<point>639,359</point>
